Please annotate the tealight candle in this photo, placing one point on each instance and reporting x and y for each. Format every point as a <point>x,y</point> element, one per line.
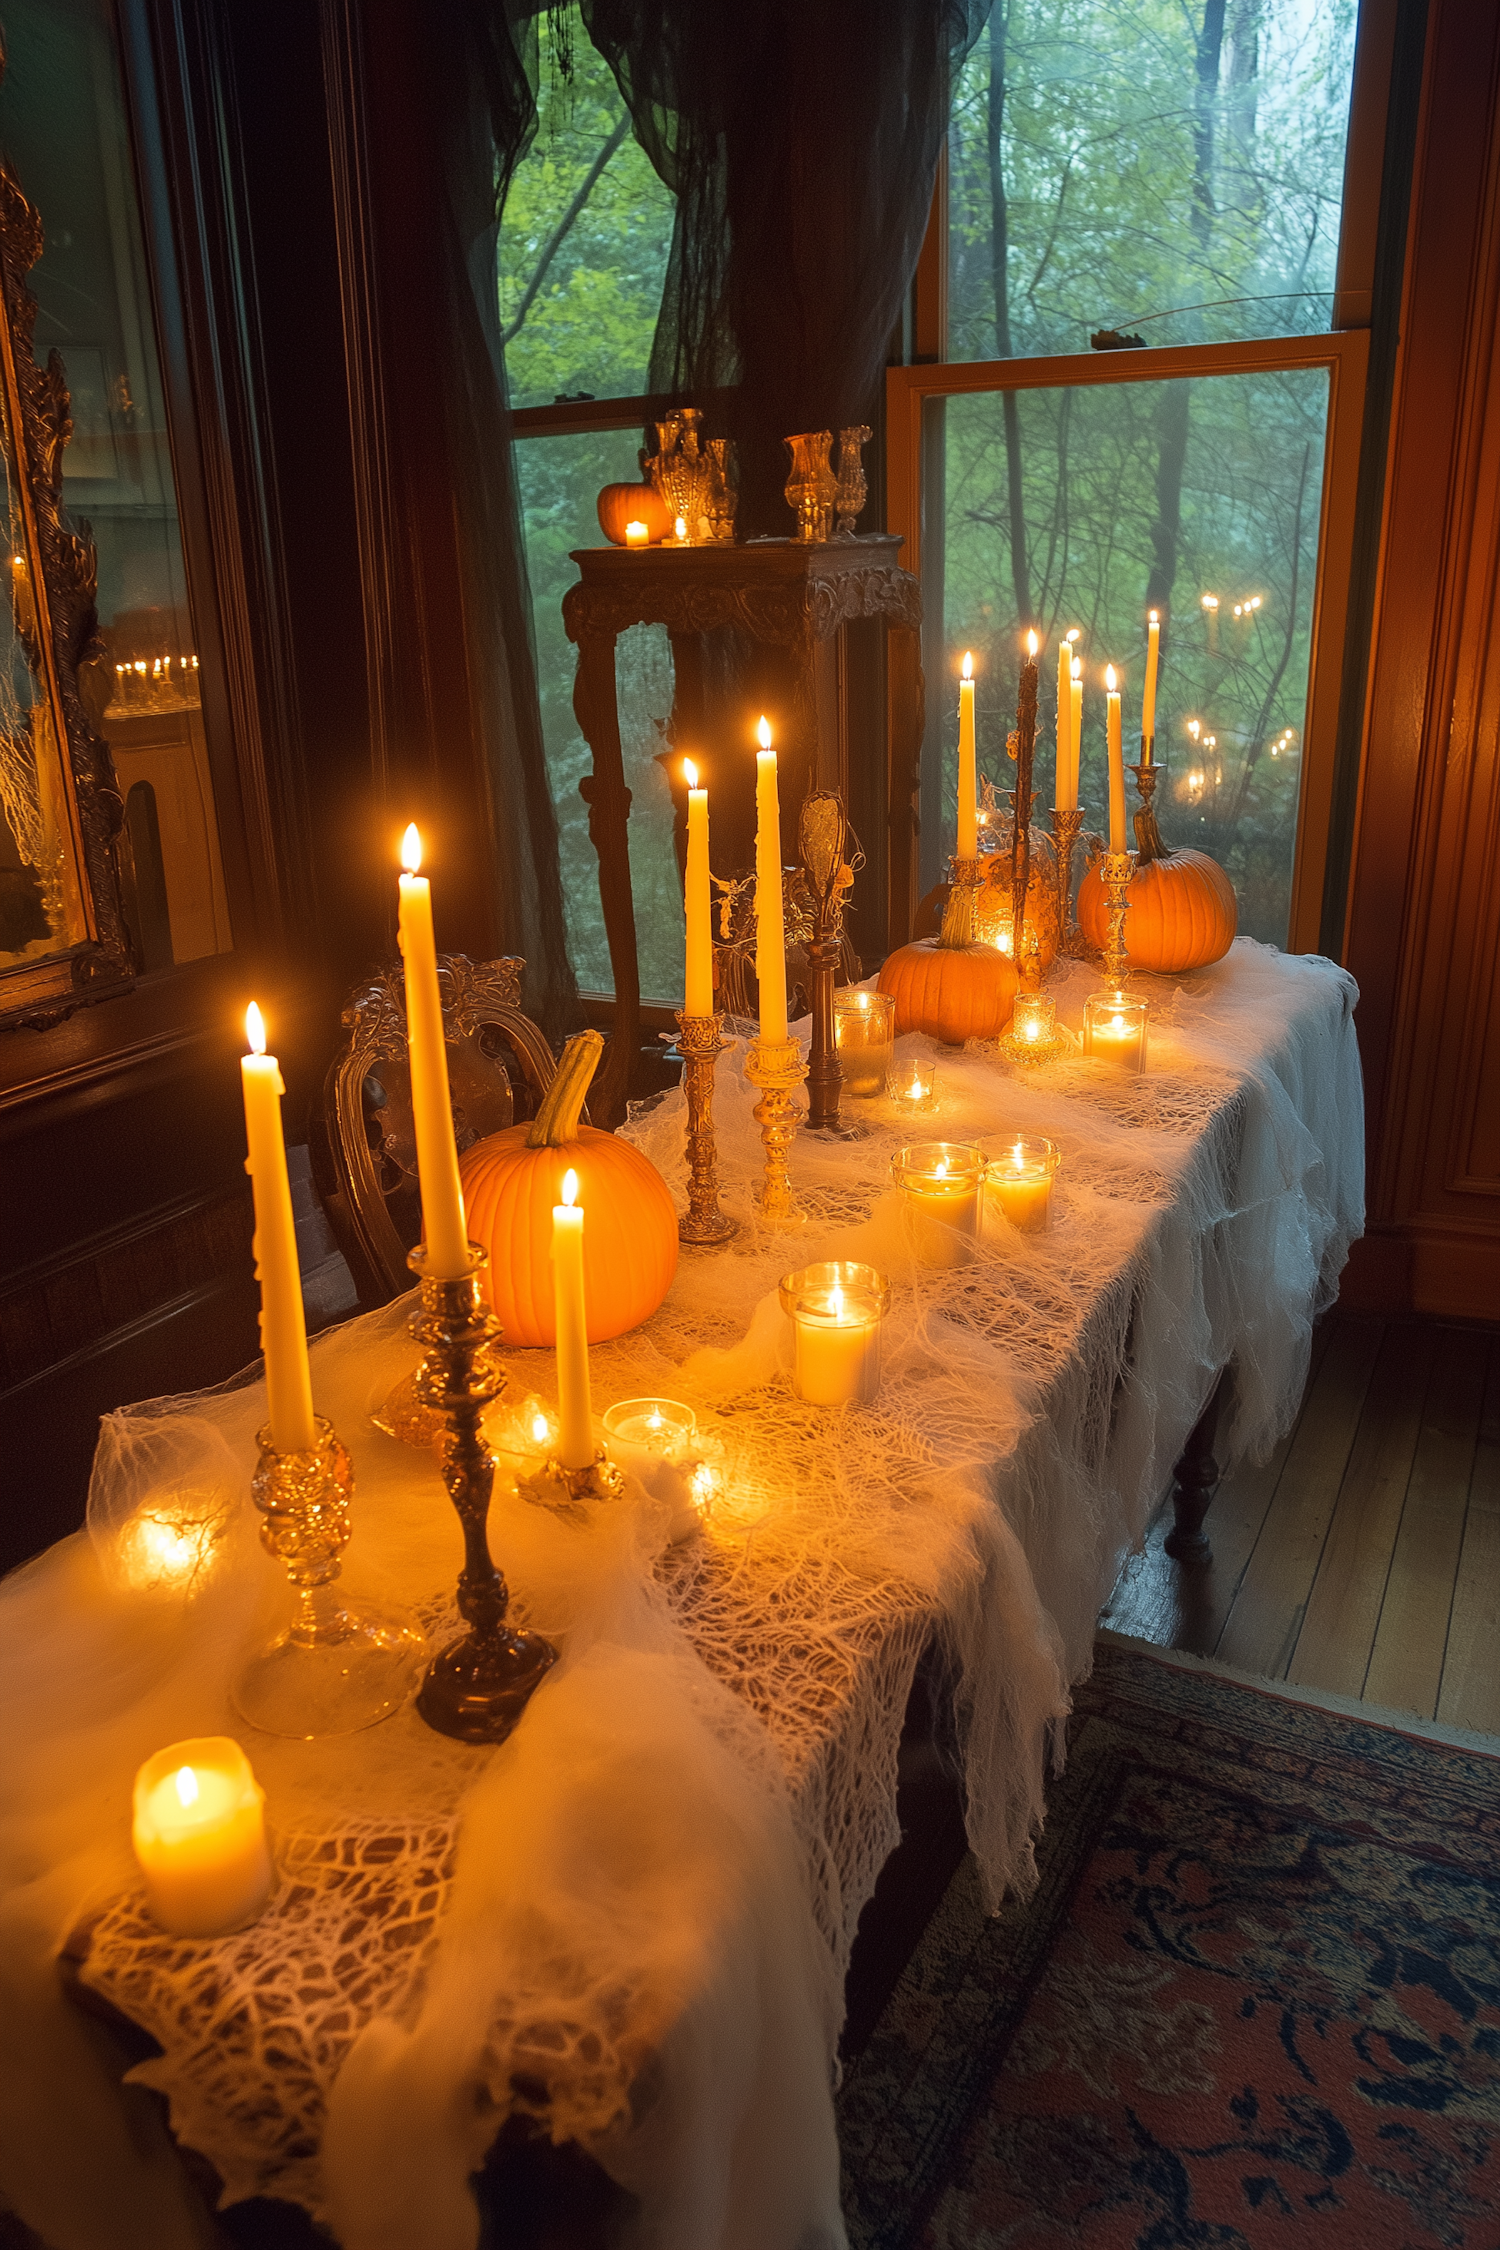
<point>1018,1184</point>
<point>912,1088</point>
<point>200,1837</point>
<point>864,1032</point>
<point>939,1181</point>
<point>1114,1029</point>
<point>637,535</point>
<point>1034,1021</point>
<point>662,1426</point>
<point>836,1309</point>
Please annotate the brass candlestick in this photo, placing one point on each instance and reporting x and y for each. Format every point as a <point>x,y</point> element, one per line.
<point>568,1491</point>
<point>337,1667</point>
<point>830,854</point>
<point>778,1069</point>
<point>1066,826</point>
<point>1116,870</point>
<point>479,1685</point>
<point>699,1044</point>
<point>1145,820</point>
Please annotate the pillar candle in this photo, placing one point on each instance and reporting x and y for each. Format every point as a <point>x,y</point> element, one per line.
<point>770,928</point>
<point>1148,698</point>
<point>1060,797</point>
<point>575,1414</point>
<point>283,1329</point>
<point>199,1832</point>
<point>968,769</point>
<point>443,1227</point>
<point>837,1346</point>
<point>699,996</point>
<point>1117,830</point>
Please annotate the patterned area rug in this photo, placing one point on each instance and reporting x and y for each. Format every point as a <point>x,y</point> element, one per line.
<point>1255,2000</point>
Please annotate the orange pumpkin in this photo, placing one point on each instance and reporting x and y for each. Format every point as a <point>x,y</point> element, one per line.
<point>952,992</point>
<point>620,504</point>
<point>512,1179</point>
<point>1182,913</point>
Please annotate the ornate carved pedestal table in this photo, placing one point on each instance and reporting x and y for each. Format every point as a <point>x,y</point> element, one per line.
<point>800,601</point>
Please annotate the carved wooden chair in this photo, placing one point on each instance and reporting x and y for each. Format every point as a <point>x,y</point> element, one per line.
<point>362,1135</point>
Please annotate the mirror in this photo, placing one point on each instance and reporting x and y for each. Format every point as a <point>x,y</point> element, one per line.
<point>63,936</point>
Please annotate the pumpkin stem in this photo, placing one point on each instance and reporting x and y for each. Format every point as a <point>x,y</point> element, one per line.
<point>556,1122</point>
<point>957,932</point>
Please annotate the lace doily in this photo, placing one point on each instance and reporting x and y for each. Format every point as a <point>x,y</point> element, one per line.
<point>636,1916</point>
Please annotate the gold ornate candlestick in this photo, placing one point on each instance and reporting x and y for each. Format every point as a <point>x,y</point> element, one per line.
<point>1067,824</point>
<point>1116,870</point>
<point>479,1685</point>
<point>1147,837</point>
<point>337,1667</point>
<point>961,914</point>
<point>830,854</point>
<point>699,1044</point>
<point>778,1069</point>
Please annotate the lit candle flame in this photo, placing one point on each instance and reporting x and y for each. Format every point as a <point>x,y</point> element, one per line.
<point>1210,601</point>
<point>1152,618</point>
<point>864,1003</point>
<point>1077,669</point>
<point>187,1786</point>
<point>1074,635</point>
<point>690,773</point>
<point>411,848</point>
<point>654,1420</point>
<point>1117,1023</point>
<point>570,1188</point>
<point>836,1302</point>
<point>538,1429</point>
<point>763,732</point>
<point>1033,1028</point>
<point>680,527</point>
<point>917,1089</point>
<point>1031,644</point>
<point>1018,1156</point>
<point>1110,682</point>
<point>255,1030</point>
<point>942,1171</point>
<point>968,665</point>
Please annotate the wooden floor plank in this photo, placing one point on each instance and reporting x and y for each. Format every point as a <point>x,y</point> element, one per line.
<point>1406,1661</point>
<point>1265,1617</point>
<point>1470,1693</point>
<point>1343,1609</point>
<point>1184,1605</point>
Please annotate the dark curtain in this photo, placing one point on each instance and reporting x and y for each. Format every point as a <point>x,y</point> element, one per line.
<point>801,140</point>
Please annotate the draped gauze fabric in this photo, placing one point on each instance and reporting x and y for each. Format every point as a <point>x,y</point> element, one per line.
<point>801,142</point>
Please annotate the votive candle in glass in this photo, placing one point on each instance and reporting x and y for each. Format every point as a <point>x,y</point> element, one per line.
<point>637,535</point>
<point>1114,1029</point>
<point>661,1426</point>
<point>912,1088</point>
<point>200,1837</point>
<point>864,1032</point>
<point>836,1309</point>
<point>1018,1183</point>
<point>1034,1021</point>
<point>939,1183</point>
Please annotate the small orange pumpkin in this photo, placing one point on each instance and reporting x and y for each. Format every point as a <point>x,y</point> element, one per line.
<point>512,1179</point>
<point>1182,913</point>
<point>950,991</point>
<point>620,504</point>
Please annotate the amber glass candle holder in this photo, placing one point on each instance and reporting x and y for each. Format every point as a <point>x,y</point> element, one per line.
<point>1114,1029</point>
<point>939,1183</point>
<point>836,1309</point>
<point>912,1088</point>
<point>1018,1184</point>
<point>864,1034</point>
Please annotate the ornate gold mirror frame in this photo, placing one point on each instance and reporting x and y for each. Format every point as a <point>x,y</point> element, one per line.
<point>58,797</point>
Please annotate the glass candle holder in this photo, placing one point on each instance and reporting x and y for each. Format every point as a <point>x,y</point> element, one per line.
<point>524,1432</point>
<point>836,1310</point>
<point>864,1032</point>
<point>912,1087</point>
<point>637,535</point>
<point>1018,1184</point>
<point>1034,1021</point>
<point>660,1426</point>
<point>939,1183</point>
<point>1114,1029</point>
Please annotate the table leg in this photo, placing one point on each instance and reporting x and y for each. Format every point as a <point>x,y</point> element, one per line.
<point>1195,1479</point>
<point>604,792</point>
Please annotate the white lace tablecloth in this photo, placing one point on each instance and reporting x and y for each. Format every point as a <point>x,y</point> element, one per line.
<point>635,1917</point>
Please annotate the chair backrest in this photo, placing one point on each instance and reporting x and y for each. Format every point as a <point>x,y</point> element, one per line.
<point>362,1134</point>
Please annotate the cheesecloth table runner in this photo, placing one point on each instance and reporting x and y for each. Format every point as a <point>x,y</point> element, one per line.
<point>635,1916</point>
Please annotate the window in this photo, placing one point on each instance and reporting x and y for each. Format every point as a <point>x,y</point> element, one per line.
<point>583,252</point>
<point>1171,179</point>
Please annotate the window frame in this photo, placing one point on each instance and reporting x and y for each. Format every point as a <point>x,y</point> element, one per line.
<point>1345,356</point>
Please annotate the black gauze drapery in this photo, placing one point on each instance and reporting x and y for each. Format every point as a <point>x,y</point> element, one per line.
<point>801,139</point>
